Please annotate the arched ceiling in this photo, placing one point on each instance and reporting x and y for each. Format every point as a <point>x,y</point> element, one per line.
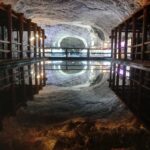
<point>95,16</point>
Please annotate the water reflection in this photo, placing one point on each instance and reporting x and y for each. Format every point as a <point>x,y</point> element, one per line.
<point>73,73</point>
<point>18,84</point>
<point>78,65</point>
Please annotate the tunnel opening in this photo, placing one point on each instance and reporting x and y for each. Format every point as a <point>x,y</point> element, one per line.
<point>72,42</point>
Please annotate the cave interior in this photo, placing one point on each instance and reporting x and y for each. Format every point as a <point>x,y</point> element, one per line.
<point>74,75</point>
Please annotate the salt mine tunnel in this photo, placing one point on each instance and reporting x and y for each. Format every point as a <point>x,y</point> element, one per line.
<point>74,75</point>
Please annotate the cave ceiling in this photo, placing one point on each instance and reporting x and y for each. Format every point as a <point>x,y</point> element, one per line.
<point>97,17</point>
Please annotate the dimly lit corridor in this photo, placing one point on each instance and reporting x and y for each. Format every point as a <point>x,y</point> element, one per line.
<point>74,75</point>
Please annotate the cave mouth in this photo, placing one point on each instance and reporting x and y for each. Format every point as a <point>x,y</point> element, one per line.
<point>72,42</point>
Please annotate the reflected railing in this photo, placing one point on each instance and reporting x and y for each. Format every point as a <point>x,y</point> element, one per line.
<point>59,52</point>
<point>18,84</point>
<point>78,65</point>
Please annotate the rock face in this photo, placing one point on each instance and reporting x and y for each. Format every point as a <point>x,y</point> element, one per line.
<point>61,18</point>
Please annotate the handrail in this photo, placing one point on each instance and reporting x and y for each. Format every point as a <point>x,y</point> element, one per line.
<point>75,52</point>
<point>16,43</point>
<point>97,48</point>
<point>5,42</point>
<point>4,51</point>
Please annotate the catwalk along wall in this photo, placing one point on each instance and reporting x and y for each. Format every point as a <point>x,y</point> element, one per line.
<point>130,70</point>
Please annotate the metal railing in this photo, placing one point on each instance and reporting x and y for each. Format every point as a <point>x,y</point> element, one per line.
<point>104,66</point>
<point>77,53</point>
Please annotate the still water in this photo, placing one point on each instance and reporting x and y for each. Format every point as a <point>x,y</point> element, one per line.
<point>20,82</point>
<point>69,106</point>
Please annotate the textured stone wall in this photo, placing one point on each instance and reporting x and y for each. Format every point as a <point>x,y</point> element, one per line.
<point>91,20</point>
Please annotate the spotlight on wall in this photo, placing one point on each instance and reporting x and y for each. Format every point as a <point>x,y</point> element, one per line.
<point>121,72</point>
<point>59,67</point>
<point>38,76</point>
<point>32,38</point>
<point>42,74</point>
<point>122,44</point>
<point>37,35</point>
<point>32,72</point>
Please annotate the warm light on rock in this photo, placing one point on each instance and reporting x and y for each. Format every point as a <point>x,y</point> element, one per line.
<point>145,2</point>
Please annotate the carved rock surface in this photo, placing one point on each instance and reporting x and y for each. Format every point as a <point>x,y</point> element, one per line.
<point>91,20</point>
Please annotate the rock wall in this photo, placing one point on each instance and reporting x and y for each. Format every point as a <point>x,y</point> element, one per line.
<point>77,17</point>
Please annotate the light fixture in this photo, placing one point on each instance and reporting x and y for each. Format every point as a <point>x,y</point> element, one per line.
<point>32,38</point>
<point>59,67</point>
<point>122,44</point>
<point>42,74</point>
<point>38,76</point>
<point>121,72</point>
<point>37,35</point>
<point>32,72</point>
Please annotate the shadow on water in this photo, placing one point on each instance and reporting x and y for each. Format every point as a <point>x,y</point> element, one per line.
<point>18,84</point>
